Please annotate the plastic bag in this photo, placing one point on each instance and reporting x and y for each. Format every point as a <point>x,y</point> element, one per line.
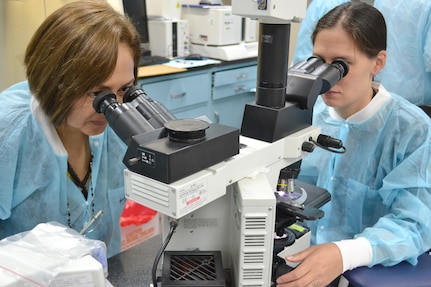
<point>36,257</point>
<point>136,214</point>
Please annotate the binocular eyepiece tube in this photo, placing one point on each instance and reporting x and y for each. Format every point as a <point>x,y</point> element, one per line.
<point>329,73</point>
<point>136,115</point>
<point>308,79</point>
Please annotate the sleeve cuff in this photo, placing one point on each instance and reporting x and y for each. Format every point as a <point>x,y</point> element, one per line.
<point>355,252</point>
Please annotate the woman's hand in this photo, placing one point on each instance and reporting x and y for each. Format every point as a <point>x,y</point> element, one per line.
<point>320,265</point>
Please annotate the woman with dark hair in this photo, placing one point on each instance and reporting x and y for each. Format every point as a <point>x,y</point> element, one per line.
<point>380,187</point>
<point>408,66</point>
<point>60,161</point>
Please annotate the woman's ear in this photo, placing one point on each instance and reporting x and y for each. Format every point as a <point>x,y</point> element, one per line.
<point>380,62</point>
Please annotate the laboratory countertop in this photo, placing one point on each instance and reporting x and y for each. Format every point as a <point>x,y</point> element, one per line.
<point>175,67</point>
<point>132,267</point>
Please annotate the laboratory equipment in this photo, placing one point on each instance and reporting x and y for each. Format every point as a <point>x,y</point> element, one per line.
<point>216,32</point>
<point>169,38</point>
<point>212,25</point>
<point>161,147</point>
<point>221,194</point>
<point>165,9</point>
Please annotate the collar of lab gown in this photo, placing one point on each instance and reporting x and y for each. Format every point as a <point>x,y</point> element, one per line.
<point>53,138</point>
<point>47,127</point>
<point>370,110</point>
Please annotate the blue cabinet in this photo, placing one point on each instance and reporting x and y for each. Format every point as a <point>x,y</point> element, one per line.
<point>218,92</point>
<point>186,95</point>
<point>232,90</point>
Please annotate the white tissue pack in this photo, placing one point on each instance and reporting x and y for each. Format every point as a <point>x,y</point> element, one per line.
<point>52,255</point>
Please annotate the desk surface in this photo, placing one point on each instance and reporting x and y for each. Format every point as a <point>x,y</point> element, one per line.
<point>157,70</point>
<point>163,69</point>
<point>132,267</point>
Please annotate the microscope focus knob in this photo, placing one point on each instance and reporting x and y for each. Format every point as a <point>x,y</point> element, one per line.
<point>307,146</point>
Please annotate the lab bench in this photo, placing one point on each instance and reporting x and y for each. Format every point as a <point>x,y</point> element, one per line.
<point>133,267</point>
<point>218,91</point>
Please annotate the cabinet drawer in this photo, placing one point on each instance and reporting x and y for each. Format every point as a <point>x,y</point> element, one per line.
<point>192,113</point>
<point>180,92</point>
<point>232,82</point>
<point>235,75</point>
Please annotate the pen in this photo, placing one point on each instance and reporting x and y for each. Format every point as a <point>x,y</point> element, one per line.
<point>93,219</point>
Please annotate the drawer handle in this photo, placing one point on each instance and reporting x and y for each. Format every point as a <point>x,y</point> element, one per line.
<point>240,89</point>
<point>174,96</point>
<point>242,76</point>
<point>217,117</point>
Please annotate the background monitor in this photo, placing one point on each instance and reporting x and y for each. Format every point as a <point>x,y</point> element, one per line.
<point>136,10</point>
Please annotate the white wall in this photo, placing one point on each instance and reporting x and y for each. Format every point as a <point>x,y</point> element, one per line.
<point>19,20</point>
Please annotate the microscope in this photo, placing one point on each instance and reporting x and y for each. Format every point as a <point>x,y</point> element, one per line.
<point>220,187</point>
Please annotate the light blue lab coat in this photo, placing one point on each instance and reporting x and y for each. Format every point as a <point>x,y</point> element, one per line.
<point>381,186</point>
<point>34,187</point>
<point>408,64</point>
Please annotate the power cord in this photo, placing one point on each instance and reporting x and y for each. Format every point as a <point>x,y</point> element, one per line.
<point>173,225</point>
<point>329,143</point>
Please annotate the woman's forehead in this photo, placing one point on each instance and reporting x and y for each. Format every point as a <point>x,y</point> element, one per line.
<point>334,43</point>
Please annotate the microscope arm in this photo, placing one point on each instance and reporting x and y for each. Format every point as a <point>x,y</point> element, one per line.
<point>192,192</point>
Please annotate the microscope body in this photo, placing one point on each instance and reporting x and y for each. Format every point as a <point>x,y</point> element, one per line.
<point>230,206</point>
<point>221,183</point>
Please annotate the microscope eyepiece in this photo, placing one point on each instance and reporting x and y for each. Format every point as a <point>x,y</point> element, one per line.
<point>308,79</point>
<point>341,65</point>
<point>103,100</point>
<point>310,65</point>
<point>133,93</point>
<point>124,119</point>
<point>330,74</point>
<point>137,114</point>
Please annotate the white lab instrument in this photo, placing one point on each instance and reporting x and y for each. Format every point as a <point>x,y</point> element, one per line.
<point>212,25</point>
<point>217,33</point>
<point>169,38</point>
<point>165,9</point>
<point>243,50</point>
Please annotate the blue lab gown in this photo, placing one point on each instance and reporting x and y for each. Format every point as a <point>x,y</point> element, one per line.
<point>408,63</point>
<point>34,187</point>
<point>381,186</point>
